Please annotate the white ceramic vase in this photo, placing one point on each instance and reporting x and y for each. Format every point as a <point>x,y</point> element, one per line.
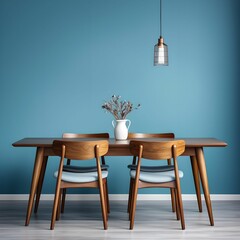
<point>121,128</point>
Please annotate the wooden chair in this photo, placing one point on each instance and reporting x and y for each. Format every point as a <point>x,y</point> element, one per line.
<point>70,168</point>
<point>80,169</point>
<point>151,168</point>
<point>160,150</point>
<point>86,135</point>
<point>80,150</point>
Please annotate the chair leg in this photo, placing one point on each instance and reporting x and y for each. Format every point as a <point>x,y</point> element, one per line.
<point>55,206</point>
<point>107,197</point>
<point>172,192</point>
<point>173,200</point>
<point>131,183</point>
<point>64,191</point>
<point>103,205</point>
<point>180,205</point>
<point>130,194</point>
<point>133,205</point>
<point>59,205</point>
<point>131,200</point>
<point>176,202</point>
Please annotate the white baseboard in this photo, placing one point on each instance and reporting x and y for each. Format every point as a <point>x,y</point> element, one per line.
<point>119,197</point>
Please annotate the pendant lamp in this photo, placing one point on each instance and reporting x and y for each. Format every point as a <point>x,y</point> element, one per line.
<point>160,49</point>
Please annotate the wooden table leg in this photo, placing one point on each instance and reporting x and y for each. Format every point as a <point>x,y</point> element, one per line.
<point>40,183</point>
<point>196,181</point>
<point>35,179</point>
<point>203,174</point>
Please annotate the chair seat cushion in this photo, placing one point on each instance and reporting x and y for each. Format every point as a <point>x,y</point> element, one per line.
<point>81,169</point>
<point>152,168</point>
<point>156,177</point>
<point>80,177</point>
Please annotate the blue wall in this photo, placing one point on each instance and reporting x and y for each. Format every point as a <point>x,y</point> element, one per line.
<point>60,59</point>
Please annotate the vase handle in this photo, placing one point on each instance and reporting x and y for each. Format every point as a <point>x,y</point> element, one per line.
<point>129,123</point>
<point>113,123</point>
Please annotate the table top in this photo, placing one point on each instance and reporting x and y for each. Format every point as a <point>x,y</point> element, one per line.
<point>190,142</point>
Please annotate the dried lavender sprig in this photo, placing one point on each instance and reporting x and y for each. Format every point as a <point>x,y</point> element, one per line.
<point>119,109</point>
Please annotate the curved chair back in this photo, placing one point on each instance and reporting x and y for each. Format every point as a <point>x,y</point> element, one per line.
<point>157,150</point>
<point>86,135</point>
<point>150,135</point>
<point>80,150</point>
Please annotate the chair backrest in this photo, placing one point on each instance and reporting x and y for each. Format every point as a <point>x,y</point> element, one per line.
<point>85,135</point>
<point>150,135</point>
<point>157,150</point>
<point>80,150</point>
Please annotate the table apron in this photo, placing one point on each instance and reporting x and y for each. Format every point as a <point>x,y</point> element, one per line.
<point>122,151</point>
<point>48,151</point>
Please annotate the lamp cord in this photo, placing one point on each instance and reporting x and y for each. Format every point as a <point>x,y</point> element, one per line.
<point>160,17</point>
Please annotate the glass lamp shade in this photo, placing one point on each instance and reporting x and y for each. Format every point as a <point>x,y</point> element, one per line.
<point>160,53</point>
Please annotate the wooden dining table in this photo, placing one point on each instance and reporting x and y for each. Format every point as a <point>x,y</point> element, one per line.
<point>194,149</point>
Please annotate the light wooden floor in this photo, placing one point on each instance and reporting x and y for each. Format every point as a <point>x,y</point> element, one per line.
<point>154,220</point>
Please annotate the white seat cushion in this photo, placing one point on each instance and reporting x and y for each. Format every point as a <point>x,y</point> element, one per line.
<point>80,177</point>
<point>156,177</point>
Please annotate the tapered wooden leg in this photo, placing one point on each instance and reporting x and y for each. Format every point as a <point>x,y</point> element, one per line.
<point>130,194</point>
<point>40,183</point>
<point>172,192</point>
<point>133,205</point>
<point>107,197</point>
<point>103,206</point>
<point>177,207</point>
<point>180,204</point>
<point>35,179</point>
<point>173,199</point>
<point>64,192</point>
<point>59,205</point>
<point>196,181</point>
<point>203,174</point>
<point>131,200</point>
<point>55,206</point>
